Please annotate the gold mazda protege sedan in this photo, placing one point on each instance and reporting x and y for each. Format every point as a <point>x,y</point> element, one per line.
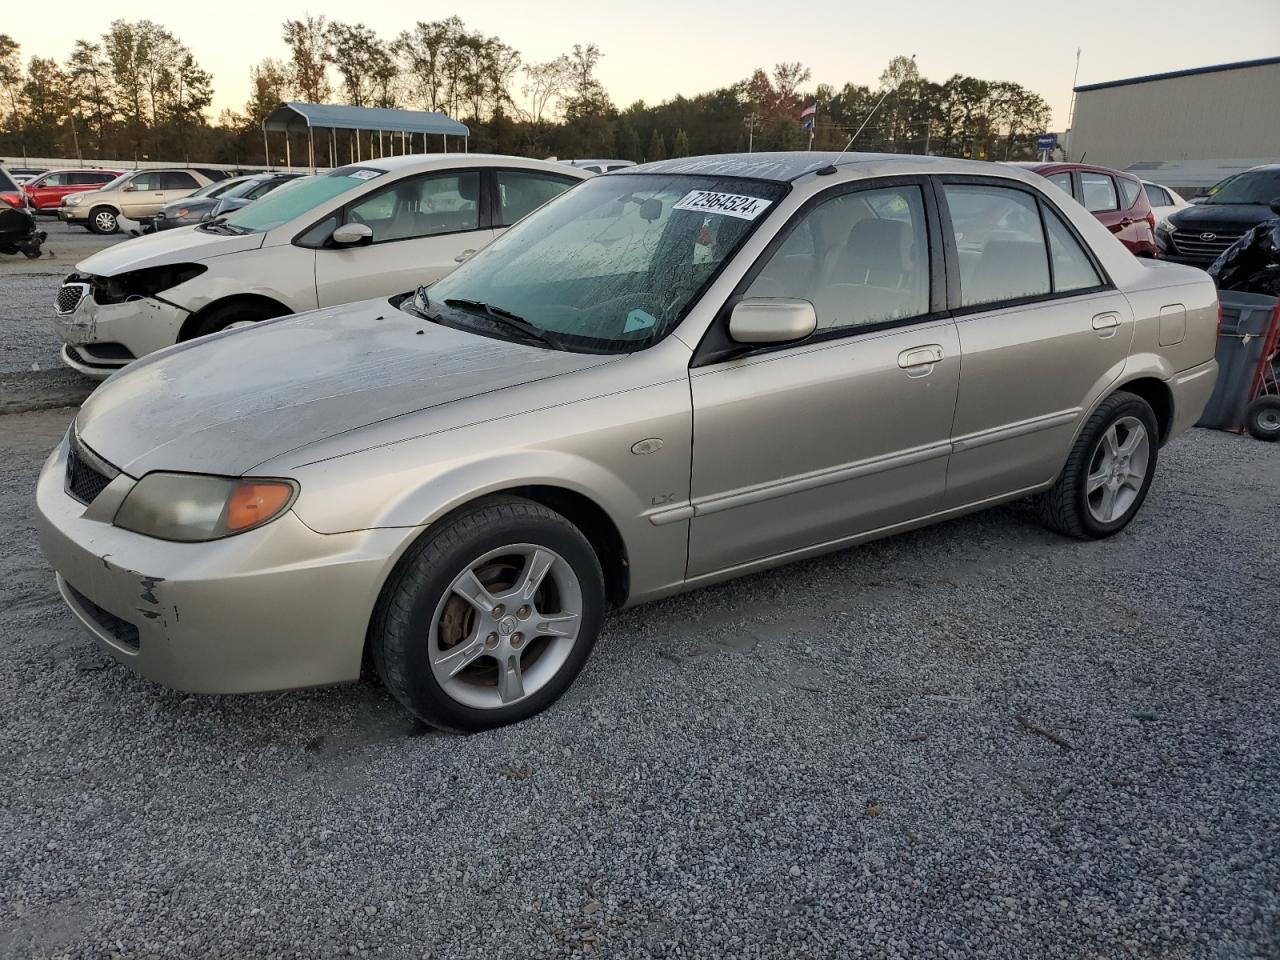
<point>670,375</point>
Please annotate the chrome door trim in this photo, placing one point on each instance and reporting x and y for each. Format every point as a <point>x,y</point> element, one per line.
<point>818,478</point>
<point>1007,432</point>
<point>829,546</point>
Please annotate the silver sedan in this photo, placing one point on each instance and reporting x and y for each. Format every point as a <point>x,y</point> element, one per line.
<point>669,376</point>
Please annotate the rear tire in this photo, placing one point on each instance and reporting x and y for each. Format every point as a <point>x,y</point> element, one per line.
<point>489,618</point>
<point>1262,418</point>
<point>103,220</point>
<point>1108,472</point>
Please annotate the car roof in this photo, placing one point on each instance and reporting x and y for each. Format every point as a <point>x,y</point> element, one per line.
<point>1063,165</point>
<point>430,161</point>
<point>786,167</point>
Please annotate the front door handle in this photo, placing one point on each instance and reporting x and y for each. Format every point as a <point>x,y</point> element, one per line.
<point>919,361</point>
<point>464,256</point>
<point>1106,323</point>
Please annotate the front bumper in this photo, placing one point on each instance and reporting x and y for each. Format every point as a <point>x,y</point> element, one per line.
<point>73,214</point>
<point>273,609</point>
<point>133,328</point>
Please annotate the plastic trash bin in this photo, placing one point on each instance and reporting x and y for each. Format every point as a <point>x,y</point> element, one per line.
<point>1246,320</point>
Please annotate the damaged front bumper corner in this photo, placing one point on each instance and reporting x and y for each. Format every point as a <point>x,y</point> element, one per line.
<point>101,338</point>
<point>272,609</point>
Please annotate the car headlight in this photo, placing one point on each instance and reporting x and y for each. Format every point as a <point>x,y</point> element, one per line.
<point>72,201</point>
<point>146,282</point>
<point>191,508</point>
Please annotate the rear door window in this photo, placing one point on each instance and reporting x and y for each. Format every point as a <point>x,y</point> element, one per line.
<point>1000,243</point>
<point>1158,197</point>
<point>521,192</point>
<point>1099,192</point>
<point>1062,180</point>
<point>176,180</point>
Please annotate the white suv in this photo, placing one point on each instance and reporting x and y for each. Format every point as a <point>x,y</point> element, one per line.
<point>372,229</point>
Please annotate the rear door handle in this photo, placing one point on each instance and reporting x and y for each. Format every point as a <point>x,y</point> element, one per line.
<point>464,256</point>
<point>919,361</point>
<point>1106,323</point>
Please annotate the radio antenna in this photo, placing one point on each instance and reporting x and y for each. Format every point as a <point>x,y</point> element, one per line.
<point>873,112</point>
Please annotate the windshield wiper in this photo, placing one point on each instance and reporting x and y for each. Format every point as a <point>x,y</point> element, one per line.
<point>512,320</point>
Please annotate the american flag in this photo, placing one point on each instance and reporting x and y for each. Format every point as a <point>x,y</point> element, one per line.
<point>809,111</point>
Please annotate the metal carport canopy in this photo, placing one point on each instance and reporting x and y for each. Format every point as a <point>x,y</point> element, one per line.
<point>297,117</point>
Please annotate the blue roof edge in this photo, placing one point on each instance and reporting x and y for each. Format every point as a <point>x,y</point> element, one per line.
<point>1190,72</point>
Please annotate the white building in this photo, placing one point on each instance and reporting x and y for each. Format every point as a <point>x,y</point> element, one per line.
<point>1225,117</point>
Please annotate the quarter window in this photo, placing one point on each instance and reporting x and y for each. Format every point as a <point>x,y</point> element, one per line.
<point>1000,244</point>
<point>1129,189</point>
<point>1072,268</point>
<point>1099,192</point>
<point>860,259</point>
<point>520,193</point>
<point>421,207</point>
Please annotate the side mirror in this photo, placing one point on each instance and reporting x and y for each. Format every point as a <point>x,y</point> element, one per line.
<point>129,188</point>
<point>762,320</point>
<point>353,235</point>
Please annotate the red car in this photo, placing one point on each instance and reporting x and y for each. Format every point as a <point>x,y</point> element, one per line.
<point>1116,199</point>
<point>46,191</point>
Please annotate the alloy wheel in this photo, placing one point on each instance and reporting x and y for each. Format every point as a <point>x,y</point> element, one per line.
<point>505,626</point>
<point>1118,469</point>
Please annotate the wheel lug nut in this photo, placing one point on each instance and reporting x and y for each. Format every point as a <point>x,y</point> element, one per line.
<point>499,610</point>
<point>517,639</point>
<point>491,641</point>
<point>523,612</point>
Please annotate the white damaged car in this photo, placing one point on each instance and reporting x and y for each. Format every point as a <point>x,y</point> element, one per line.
<point>368,230</point>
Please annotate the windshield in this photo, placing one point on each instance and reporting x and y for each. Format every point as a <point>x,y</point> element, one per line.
<point>218,187</point>
<point>614,263</point>
<point>281,206</point>
<point>1261,186</point>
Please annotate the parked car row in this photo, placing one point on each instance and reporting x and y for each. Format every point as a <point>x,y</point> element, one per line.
<point>372,229</point>
<point>659,378</point>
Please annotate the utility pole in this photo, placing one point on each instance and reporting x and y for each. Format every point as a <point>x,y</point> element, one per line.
<point>751,130</point>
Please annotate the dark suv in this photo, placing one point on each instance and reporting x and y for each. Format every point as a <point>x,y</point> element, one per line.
<point>1199,234</point>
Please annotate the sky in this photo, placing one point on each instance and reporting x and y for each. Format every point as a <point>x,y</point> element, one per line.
<point>656,49</point>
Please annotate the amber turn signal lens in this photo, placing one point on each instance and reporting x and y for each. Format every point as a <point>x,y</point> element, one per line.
<point>255,502</point>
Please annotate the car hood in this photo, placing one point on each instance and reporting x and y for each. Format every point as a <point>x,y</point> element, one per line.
<point>225,403</point>
<point>161,249</point>
<point>1207,216</point>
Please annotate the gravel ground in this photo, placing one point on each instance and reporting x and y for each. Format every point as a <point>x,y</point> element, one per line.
<point>979,740</point>
<point>32,376</point>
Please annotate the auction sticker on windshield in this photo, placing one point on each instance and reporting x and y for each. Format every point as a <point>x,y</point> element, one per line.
<point>730,204</point>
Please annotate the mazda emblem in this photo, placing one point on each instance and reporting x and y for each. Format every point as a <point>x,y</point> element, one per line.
<point>1208,236</point>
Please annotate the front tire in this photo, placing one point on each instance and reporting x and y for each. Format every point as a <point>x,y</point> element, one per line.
<point>103,220</point>
<point>230,315</point>
<point>489,619</point>
<point>1108,472</point>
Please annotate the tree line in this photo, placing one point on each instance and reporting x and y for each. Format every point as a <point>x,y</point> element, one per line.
<point>138,93</point>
